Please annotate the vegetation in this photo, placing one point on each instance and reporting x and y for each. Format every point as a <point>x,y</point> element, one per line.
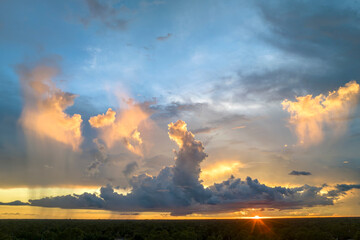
<point>310,228</point>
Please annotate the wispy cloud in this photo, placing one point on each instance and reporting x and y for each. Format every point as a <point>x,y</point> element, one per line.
<point>163,38</point>
<point>106,13</point>
<point>239,127</point>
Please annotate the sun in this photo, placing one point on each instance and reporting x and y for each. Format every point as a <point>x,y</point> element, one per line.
<point>256,217</point>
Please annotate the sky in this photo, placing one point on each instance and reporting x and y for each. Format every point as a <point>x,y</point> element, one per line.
<point>179,109</point>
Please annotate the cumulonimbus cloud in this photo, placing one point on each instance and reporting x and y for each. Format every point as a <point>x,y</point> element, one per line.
<point>178,189</point>
<point>309,114</point>
<point>44,107</point>
<point>121,126</point>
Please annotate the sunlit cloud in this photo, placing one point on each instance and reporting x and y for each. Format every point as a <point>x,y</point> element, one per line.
<point>178,133</point>
<point>44,107</point>
<point>121,126</point>
<point>219,171</point>
<point>309,114</point>
<point>103,120</point>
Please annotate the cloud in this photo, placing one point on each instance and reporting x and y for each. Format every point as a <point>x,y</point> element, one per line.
<point>322,33</point>
<point>300,173</point>
<point>176,109</point>
<point>44,107</point>
<point>121,126</point>
<point>85,200</point>
<point>187,160</point>
<point>163,38</point>
<point>103,120</point>
<point>204,130</point>
<point>341,189</point>
<point>251,193</point>
<point>238,127</point>
<point>311,26</point>
<point>100,158</point>
<point>15,203</point>
<point>174,187</point>
<point>130,168</point>
<point>107,14</point>
<point>178,189</point>
<point>309,114</point>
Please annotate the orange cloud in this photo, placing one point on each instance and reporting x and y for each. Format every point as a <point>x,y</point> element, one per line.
<point>121,127</point>
<point>309,114</point>
<point>102,120</point>
<point>178,133</point>
<point>43,112</point>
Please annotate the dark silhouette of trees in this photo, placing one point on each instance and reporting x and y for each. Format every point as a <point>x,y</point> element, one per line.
<point>265,229</point>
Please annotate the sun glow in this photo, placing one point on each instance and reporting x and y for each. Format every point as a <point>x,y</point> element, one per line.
<point>256,217</point>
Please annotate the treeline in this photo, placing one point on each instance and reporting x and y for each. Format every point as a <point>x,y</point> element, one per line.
<point>313,228</point>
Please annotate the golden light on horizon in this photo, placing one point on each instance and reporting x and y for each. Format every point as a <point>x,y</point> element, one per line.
<point>256,217</point>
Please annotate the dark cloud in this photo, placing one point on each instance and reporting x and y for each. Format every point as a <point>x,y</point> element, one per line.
<point>85,200</point>
<point>15,203</point>
<point>107,14</point>
<point>300,173</point>
<point>178,189</point>
<point>323,30</point>
<point>250,193</point>
<point>187,161</point>
<point>101,157</point>
<point>163,38</point>
<point>311,28</point>
<point>341,189</point>
<point>321,40</point>
<point>130,168</point>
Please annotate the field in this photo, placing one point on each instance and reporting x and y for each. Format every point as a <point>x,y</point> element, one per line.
<point>304,228</point>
